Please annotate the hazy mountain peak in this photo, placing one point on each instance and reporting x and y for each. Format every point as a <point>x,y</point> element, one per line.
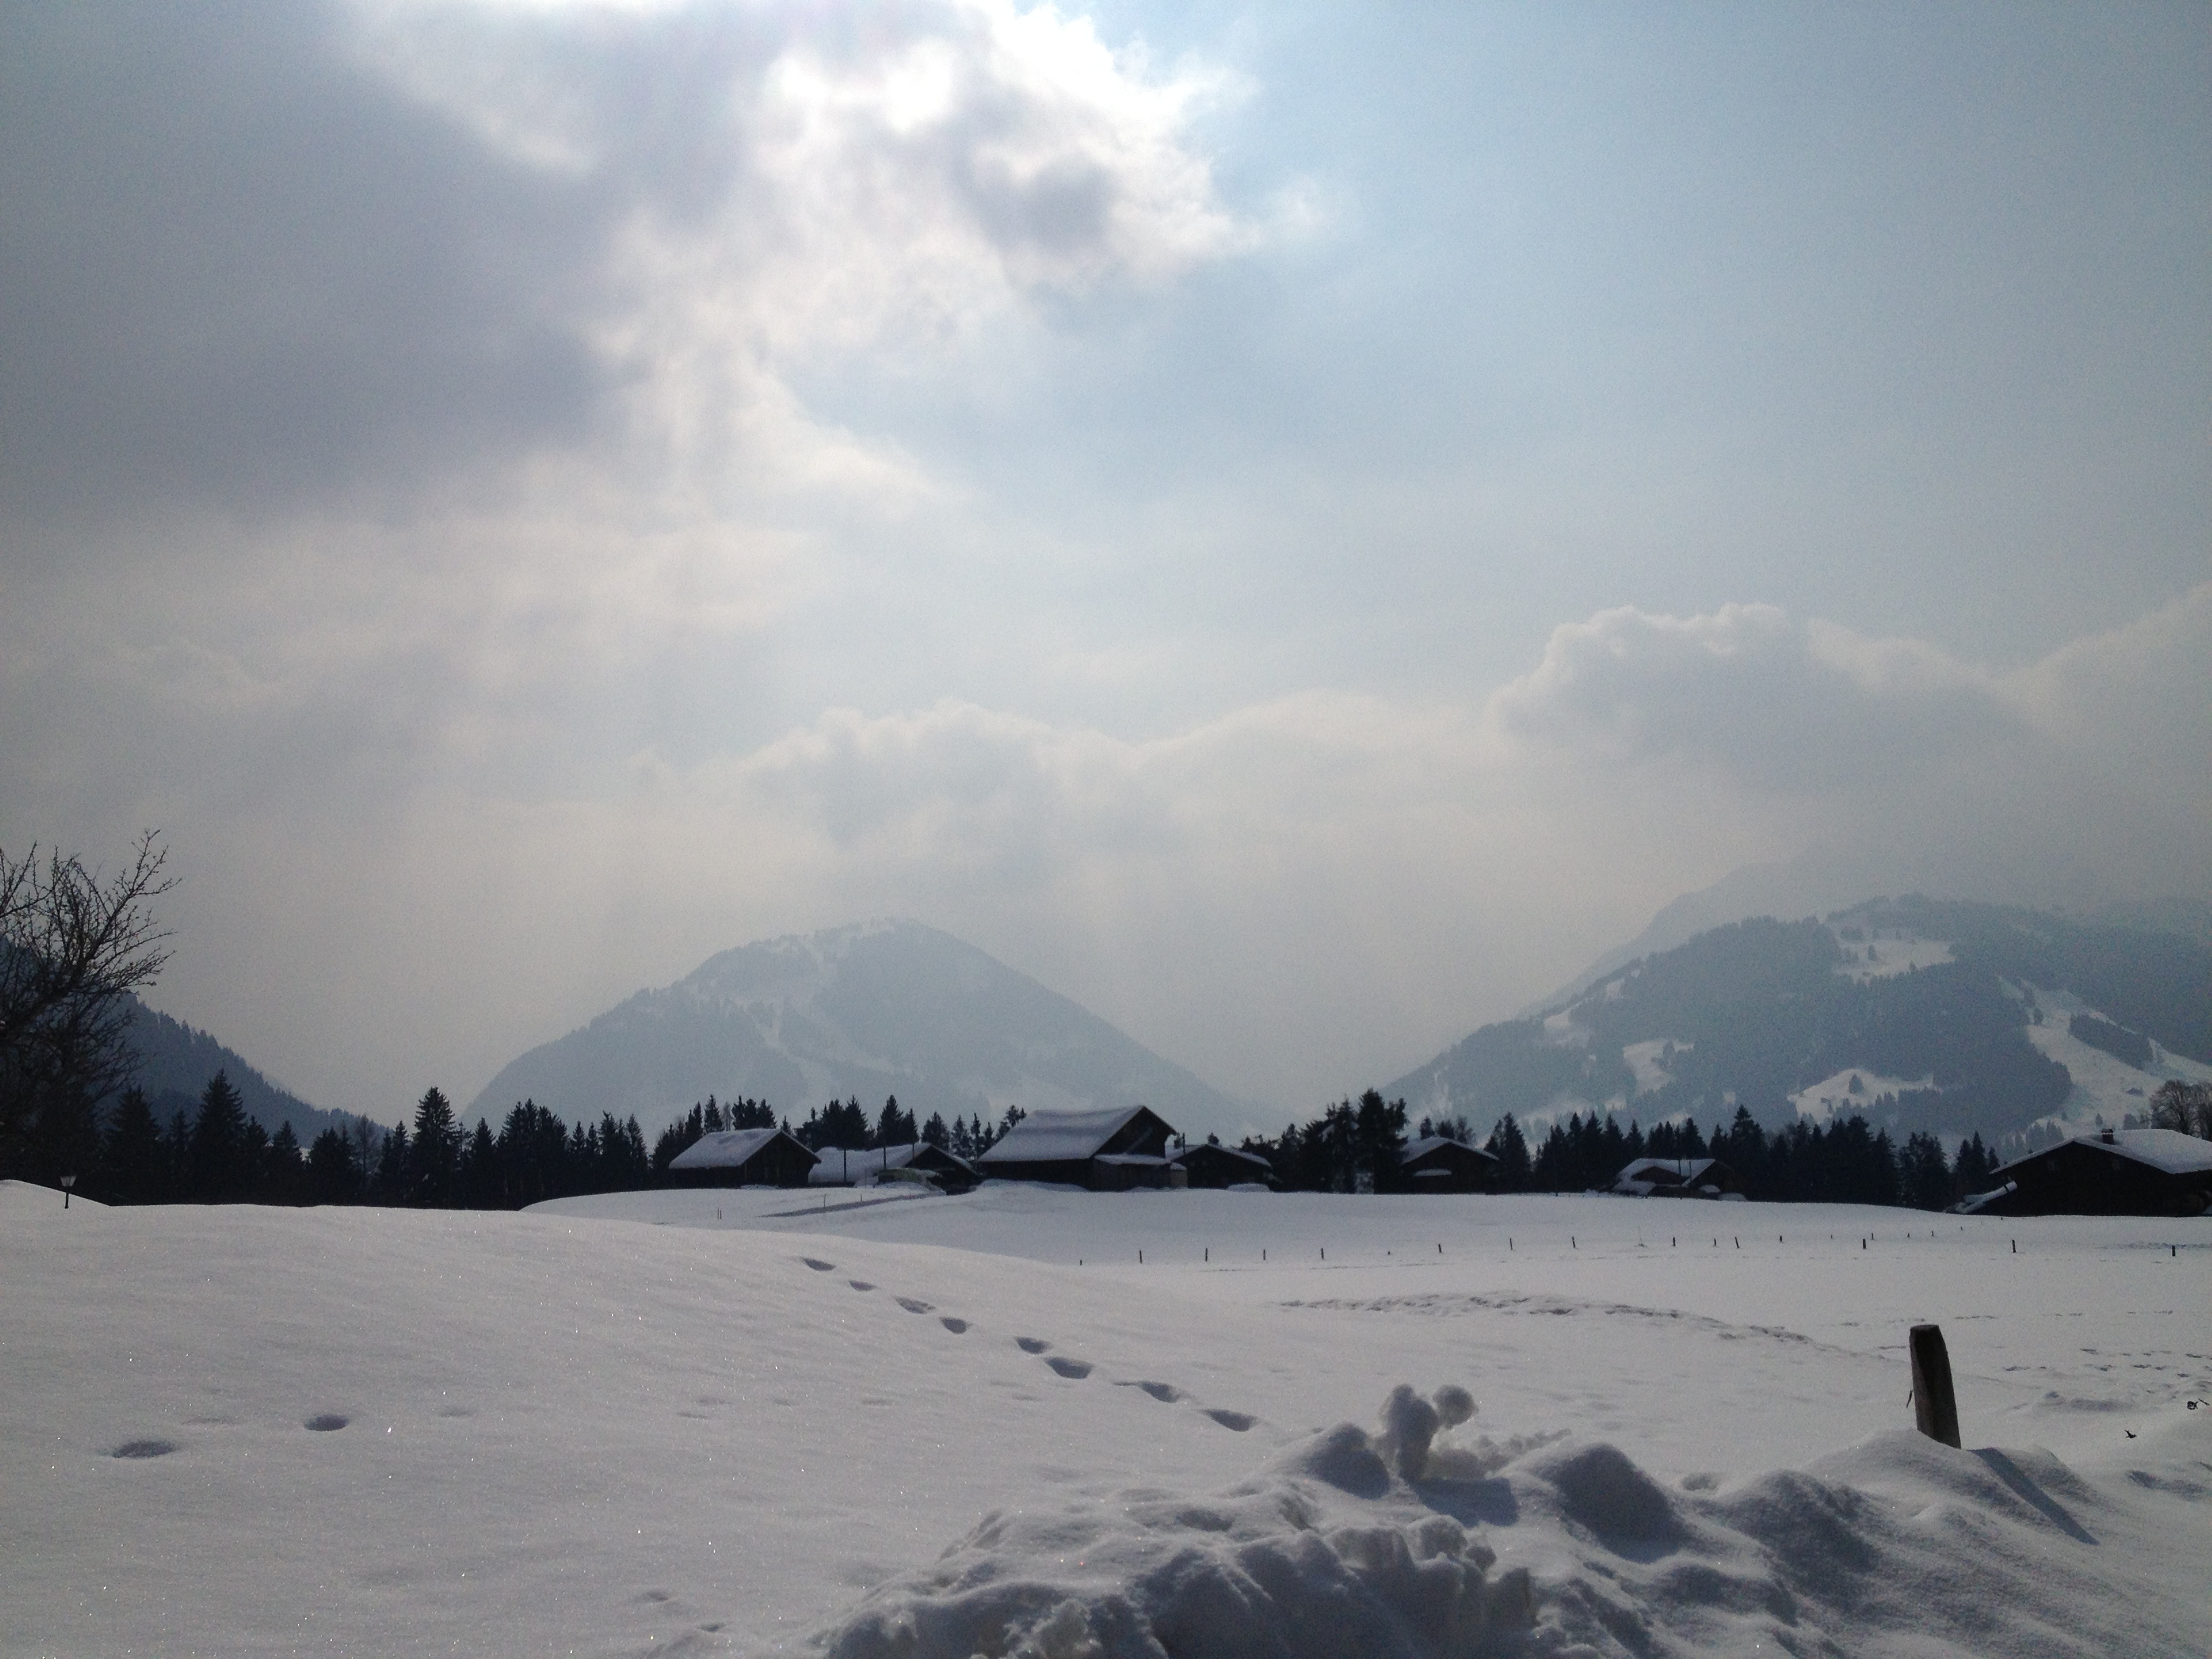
<point>885,1006</point>
<point>1948,1016</point>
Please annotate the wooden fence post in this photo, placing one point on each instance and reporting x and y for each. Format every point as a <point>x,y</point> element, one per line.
<point>1934,1407</point>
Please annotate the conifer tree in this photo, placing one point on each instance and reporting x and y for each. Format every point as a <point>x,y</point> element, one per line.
<point>1971,1174</point>
<point>390,1184</point>
<point>284,1178</point>
<point>334,1173</point>
<point>1923,1175</point>
<point>479,1174</point>
<point>435,1152</point>
<point>1511,1148</point>
<point>220,1172</point>
<point>894,1126</point>
<point>132,1159</point>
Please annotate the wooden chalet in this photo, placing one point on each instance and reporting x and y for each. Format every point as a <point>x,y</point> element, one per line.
<point>1217,1166</point>
<point>839,1167</point>
<point>742,1157</point>
<point>1108,1152</point>
<point>1438,1163</point>
<point>2112,1172</point>
<point>1679,1177</point>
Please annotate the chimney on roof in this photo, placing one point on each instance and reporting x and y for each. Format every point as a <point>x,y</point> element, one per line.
<point>2105,1136</point>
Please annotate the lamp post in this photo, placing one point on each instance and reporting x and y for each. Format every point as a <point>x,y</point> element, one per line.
<point>68,1181</point>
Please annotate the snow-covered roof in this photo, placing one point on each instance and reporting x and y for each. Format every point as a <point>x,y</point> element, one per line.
<point>1058,1137</point>
<point>838,1163</point>
<point>2162,1149</point>
<point>724,1149</point>
<point>1140,1158</point>
<point>1427,1144</point>
<point>1225,1152</point>
<point>1667,1169</point>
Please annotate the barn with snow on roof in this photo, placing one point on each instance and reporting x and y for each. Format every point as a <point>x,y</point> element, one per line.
<point>1108,1152</point>
<point>1679,1177</point>
<point>1215,1165</point>
<point>742,1157</point>
<point>839,1167</point>
<point>2111,1172</point>
<point>1438,1163</point>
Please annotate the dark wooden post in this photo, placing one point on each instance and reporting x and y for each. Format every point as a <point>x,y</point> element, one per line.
<point>1934,1407</point>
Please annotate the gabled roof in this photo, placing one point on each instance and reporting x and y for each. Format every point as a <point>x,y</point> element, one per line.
<point>1413,1149</point>
<point>1224,1151</point>
<point>725,1148</point>
<point>838,1163</point>
<point>1667,1171</point>
<point>2168,1149</point>
<point>1060,1137</point>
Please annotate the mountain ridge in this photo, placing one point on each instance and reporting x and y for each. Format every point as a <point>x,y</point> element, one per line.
<point>175,1061</point>
<point>870,1009</point>
<point>1970,1019</point>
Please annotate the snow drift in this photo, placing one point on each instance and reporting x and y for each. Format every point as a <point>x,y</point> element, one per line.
<point>1405,1544</point>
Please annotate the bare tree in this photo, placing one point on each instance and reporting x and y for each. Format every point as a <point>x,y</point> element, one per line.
<point>75,943</point>
<point>2184,1106</point>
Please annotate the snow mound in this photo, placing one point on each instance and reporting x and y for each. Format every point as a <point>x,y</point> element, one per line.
<point>27,1198</point>
<point>1401,1544</point>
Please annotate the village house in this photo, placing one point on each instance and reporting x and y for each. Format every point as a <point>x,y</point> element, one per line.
<point>1214,1165</point>
<point>1438,1163</point>
<point>2111,1172</point>
<point>840,1167</point>
<point>1108,1152</point>
<point>742,1157</point>
<point>1679,1177</point>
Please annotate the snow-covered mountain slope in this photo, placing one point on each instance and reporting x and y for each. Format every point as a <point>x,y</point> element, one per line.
<point>706,1423</point>
<point>2107,1090</point>
<point>865,1012</point>
<point>1954,1018</point>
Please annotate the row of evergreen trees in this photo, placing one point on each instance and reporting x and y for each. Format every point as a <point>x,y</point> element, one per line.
<point>1354,1147</point>
<point>219,1155</point>
<point>1846,1161</point>
<point>1351,1147</point>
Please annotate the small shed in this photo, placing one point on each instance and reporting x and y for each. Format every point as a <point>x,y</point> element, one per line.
<point>1217,1166</point>
<point>840,1167</point>
<point>1438,1163</point>
<point>2111,1172</point>
<point>1108,1151</point>
<point>1679,1177</point>
<point>742,1157</point>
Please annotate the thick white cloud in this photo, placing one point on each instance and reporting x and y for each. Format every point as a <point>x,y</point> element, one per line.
<point>1751,692</point>
<point>269,255</point>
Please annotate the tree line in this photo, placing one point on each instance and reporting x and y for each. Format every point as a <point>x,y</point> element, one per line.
<point>1843,1161</point>
<point>1352,1146</point>
<point>220,1155</point>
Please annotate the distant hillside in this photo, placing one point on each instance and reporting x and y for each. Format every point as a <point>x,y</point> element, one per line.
<point>175,1062</point>
<point>883,1008</point>
<point>1923,1014</point>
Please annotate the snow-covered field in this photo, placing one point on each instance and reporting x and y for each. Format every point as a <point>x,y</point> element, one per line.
<point>760,1422</point>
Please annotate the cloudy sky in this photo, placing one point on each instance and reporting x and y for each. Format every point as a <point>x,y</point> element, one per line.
<point>1299,526</point>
